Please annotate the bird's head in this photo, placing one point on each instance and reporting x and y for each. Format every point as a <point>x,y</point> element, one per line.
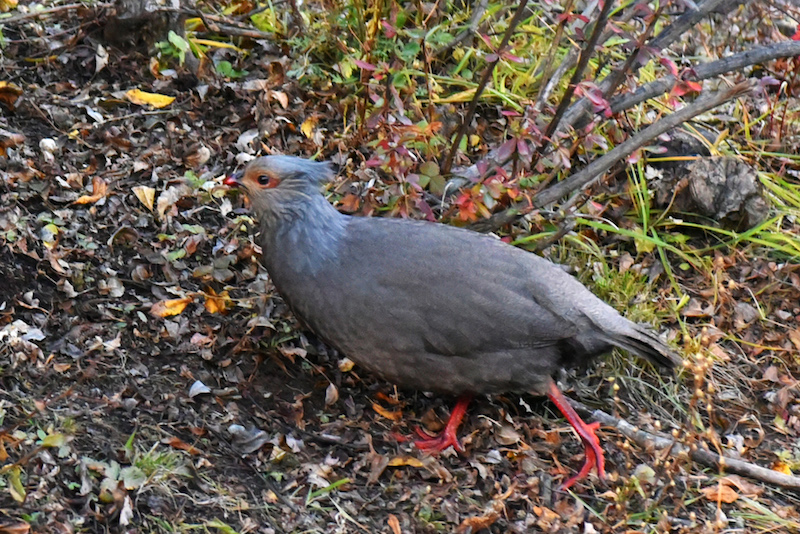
<point>279,184</point>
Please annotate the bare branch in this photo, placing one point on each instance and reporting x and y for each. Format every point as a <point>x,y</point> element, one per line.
<point>700,455</point>
<point>462,130</point>
<point>659,42</point>
<point>595,170</point>
<point>583,61</point>
<point>708,70</point>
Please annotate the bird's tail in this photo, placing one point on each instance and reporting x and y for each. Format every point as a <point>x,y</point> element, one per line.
<point>643,341</point>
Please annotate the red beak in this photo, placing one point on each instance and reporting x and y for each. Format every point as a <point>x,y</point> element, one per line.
<point>233,180</point>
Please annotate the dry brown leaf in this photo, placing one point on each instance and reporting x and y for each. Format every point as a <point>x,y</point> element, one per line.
<point>99,190</point>
<point>166,308</point>
<point>146,195</point>
<point>217,303</point>
<point>15,528</point>
<point>394,416</point>
<point>747,488</point>
<point>399,461</point>
<point>794,337</point>
<point>281,97</point>
<point>331,395</point>
<point>475,524</point>
<point>9,93</point>
<point>694,308</point>
<point>720,493</point>
<point>177,443</point>
<point>506,435</point>
<point>394,524</point>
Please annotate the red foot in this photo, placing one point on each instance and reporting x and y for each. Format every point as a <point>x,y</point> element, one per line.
<point>594,452</point>
<point>449,435</point>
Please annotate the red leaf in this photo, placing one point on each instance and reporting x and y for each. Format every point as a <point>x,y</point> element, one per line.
<point>388,29</point>
<point>670,65</point>
<point>364,65</point>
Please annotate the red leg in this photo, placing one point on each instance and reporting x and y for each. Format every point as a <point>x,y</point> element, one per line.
<point>448,436</point>
<point>594,452</point>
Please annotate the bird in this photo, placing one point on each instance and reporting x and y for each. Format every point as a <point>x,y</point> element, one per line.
<point>429,306</point>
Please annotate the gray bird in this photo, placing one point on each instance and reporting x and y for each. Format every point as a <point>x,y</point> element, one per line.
<point>430,306</point>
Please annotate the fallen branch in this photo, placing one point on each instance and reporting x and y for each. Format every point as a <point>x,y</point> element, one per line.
<point>597,168</point>
<point>487,74</point>
<point>577,74</point>
<point>661,41</point>
<point>706,71</point>
<point>702,456</point>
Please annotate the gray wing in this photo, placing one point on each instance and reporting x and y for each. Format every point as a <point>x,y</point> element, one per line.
<point>440,290</point>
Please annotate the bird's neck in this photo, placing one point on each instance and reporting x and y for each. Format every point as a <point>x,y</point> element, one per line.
<point>304,235</point>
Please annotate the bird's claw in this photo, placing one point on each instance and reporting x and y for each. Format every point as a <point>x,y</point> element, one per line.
<point>438,443</point>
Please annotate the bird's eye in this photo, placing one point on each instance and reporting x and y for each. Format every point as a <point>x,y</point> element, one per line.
<point>263,180</point>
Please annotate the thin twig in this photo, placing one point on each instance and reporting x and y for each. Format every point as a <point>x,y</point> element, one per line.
<point>583,62</point>
<point>701,72</point>
<point>700,455</point>
<point>564,65</point>
<point>472,29</point>
<point>462,130</point>
<point>595,170</point>
<point>659,42</point>
<point>706,71</point>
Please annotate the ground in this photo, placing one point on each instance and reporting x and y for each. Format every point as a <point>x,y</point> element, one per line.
<point>154,381</point>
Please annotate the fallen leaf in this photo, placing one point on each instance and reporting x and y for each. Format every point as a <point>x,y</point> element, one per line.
<point>394,524</point>
<point>100,59</point>
<point>281,97</point>
<point>54,440</point>
<point>217,303</point>
<point>166,308</point>
<point>167,200</point>
<point>475,524</point>
<point>794,337</point>
<point>720,493</point>
<point>308,127</point>
<point>177,443</point>
<point>506,435</point>
<point>146,195</point>
<point>747,488</point>
<point>50,235</point>
<point>143,98</point>
<point>15,528</point>
<point>126,514</point>
<point>331,395</point>
<point>99,190</point>
<point>9,93</point>
<point>782,467</point>
<point>15,486</point>
<point>399,461</point>
<point>394,416</point>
